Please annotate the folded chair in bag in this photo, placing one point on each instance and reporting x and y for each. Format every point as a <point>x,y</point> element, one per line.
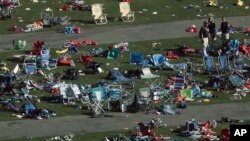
<point>209,64</point>
<point>147,73</point>
<point>136,58</point>
<point>126,14</point>
<point>98,15</point>
<point>223,62</point>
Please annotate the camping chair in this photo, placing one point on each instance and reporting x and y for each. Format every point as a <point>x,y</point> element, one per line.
<point>29,65</point>
<point>147,74</point>
<point>98,15</point>
<point>223,62</point>
<point>209,64</point>
<point>98,99</point>
<point>67,94</point>
<point>145,98</point>
<point>19,45</point>
<point>126,14</point>
<point>237,81</point>
<point>157,60</point>
<point>234,46</point>
<point>136,58</point>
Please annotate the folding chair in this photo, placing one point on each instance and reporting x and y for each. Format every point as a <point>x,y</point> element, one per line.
<point>145,98</point>
<point>223,62</point>
<point>157,60</point>
<point>30,67</point>
<point>237,81</point>
<point>147,73</point>
<point>136,58</point>
<point>234,46</point>
<point>98,15</point>
<point>98,98</point>
<point>209,64</point>
<point>126,14</point>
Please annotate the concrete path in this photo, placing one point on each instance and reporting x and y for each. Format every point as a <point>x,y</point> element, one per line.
<point>83,123</point>
<point>130,33</point>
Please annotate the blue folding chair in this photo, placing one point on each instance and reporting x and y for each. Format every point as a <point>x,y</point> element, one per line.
<point>237,81</point>
<point>136,58</point>
<point>209,64</point>
<point>223,62</point>
<point>238,63</point>
<point>234,46</point>
<point>30,68</point>
<point>156,60</point>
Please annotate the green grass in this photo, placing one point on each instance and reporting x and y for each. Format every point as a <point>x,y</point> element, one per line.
<point>123,64</point>
<point>164,8</point>
<point>101,135</point>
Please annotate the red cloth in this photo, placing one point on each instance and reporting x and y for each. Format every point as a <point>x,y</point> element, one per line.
<point>86,58</point>
<point>244,49</point>
<point>171,55</point>
<point>225,134</point>
<point>90,42</point>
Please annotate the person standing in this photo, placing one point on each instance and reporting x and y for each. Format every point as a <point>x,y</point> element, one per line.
<point>212,29</point>
<point>224,30</point>
<point>204,36</point>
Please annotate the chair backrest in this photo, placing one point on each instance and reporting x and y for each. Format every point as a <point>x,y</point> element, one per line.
<point>238,63</point>
<point>144,92</point>
<point>98,94</point>
<point>124,8</point>
<point>30,68</point>
<point>158,60</point>
<point>208,63</point>
<point>136,58</point>
<point>146,71</point>
<point>96,10</point>
<point>223,62</point>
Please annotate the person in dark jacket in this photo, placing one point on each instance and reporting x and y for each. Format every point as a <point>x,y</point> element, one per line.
<point>224,30</point>
<point>204,36</point>
<point>212,28</point>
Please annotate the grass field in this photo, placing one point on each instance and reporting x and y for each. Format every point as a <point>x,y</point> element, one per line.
<point>100,136</point>
<point>167,10</point>
<point>123,64</point>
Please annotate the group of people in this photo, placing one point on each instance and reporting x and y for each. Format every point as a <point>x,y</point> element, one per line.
<point>208,33</point>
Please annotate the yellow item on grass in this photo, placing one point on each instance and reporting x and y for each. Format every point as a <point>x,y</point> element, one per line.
<point>61,51</point>
<point>213,3</point>
<point>240,3</point>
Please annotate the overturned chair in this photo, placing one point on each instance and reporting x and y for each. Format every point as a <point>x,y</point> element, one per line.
<point>98,15</point>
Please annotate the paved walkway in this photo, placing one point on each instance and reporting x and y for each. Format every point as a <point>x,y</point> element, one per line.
<point>154,31</point>
<point>81,123</point>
